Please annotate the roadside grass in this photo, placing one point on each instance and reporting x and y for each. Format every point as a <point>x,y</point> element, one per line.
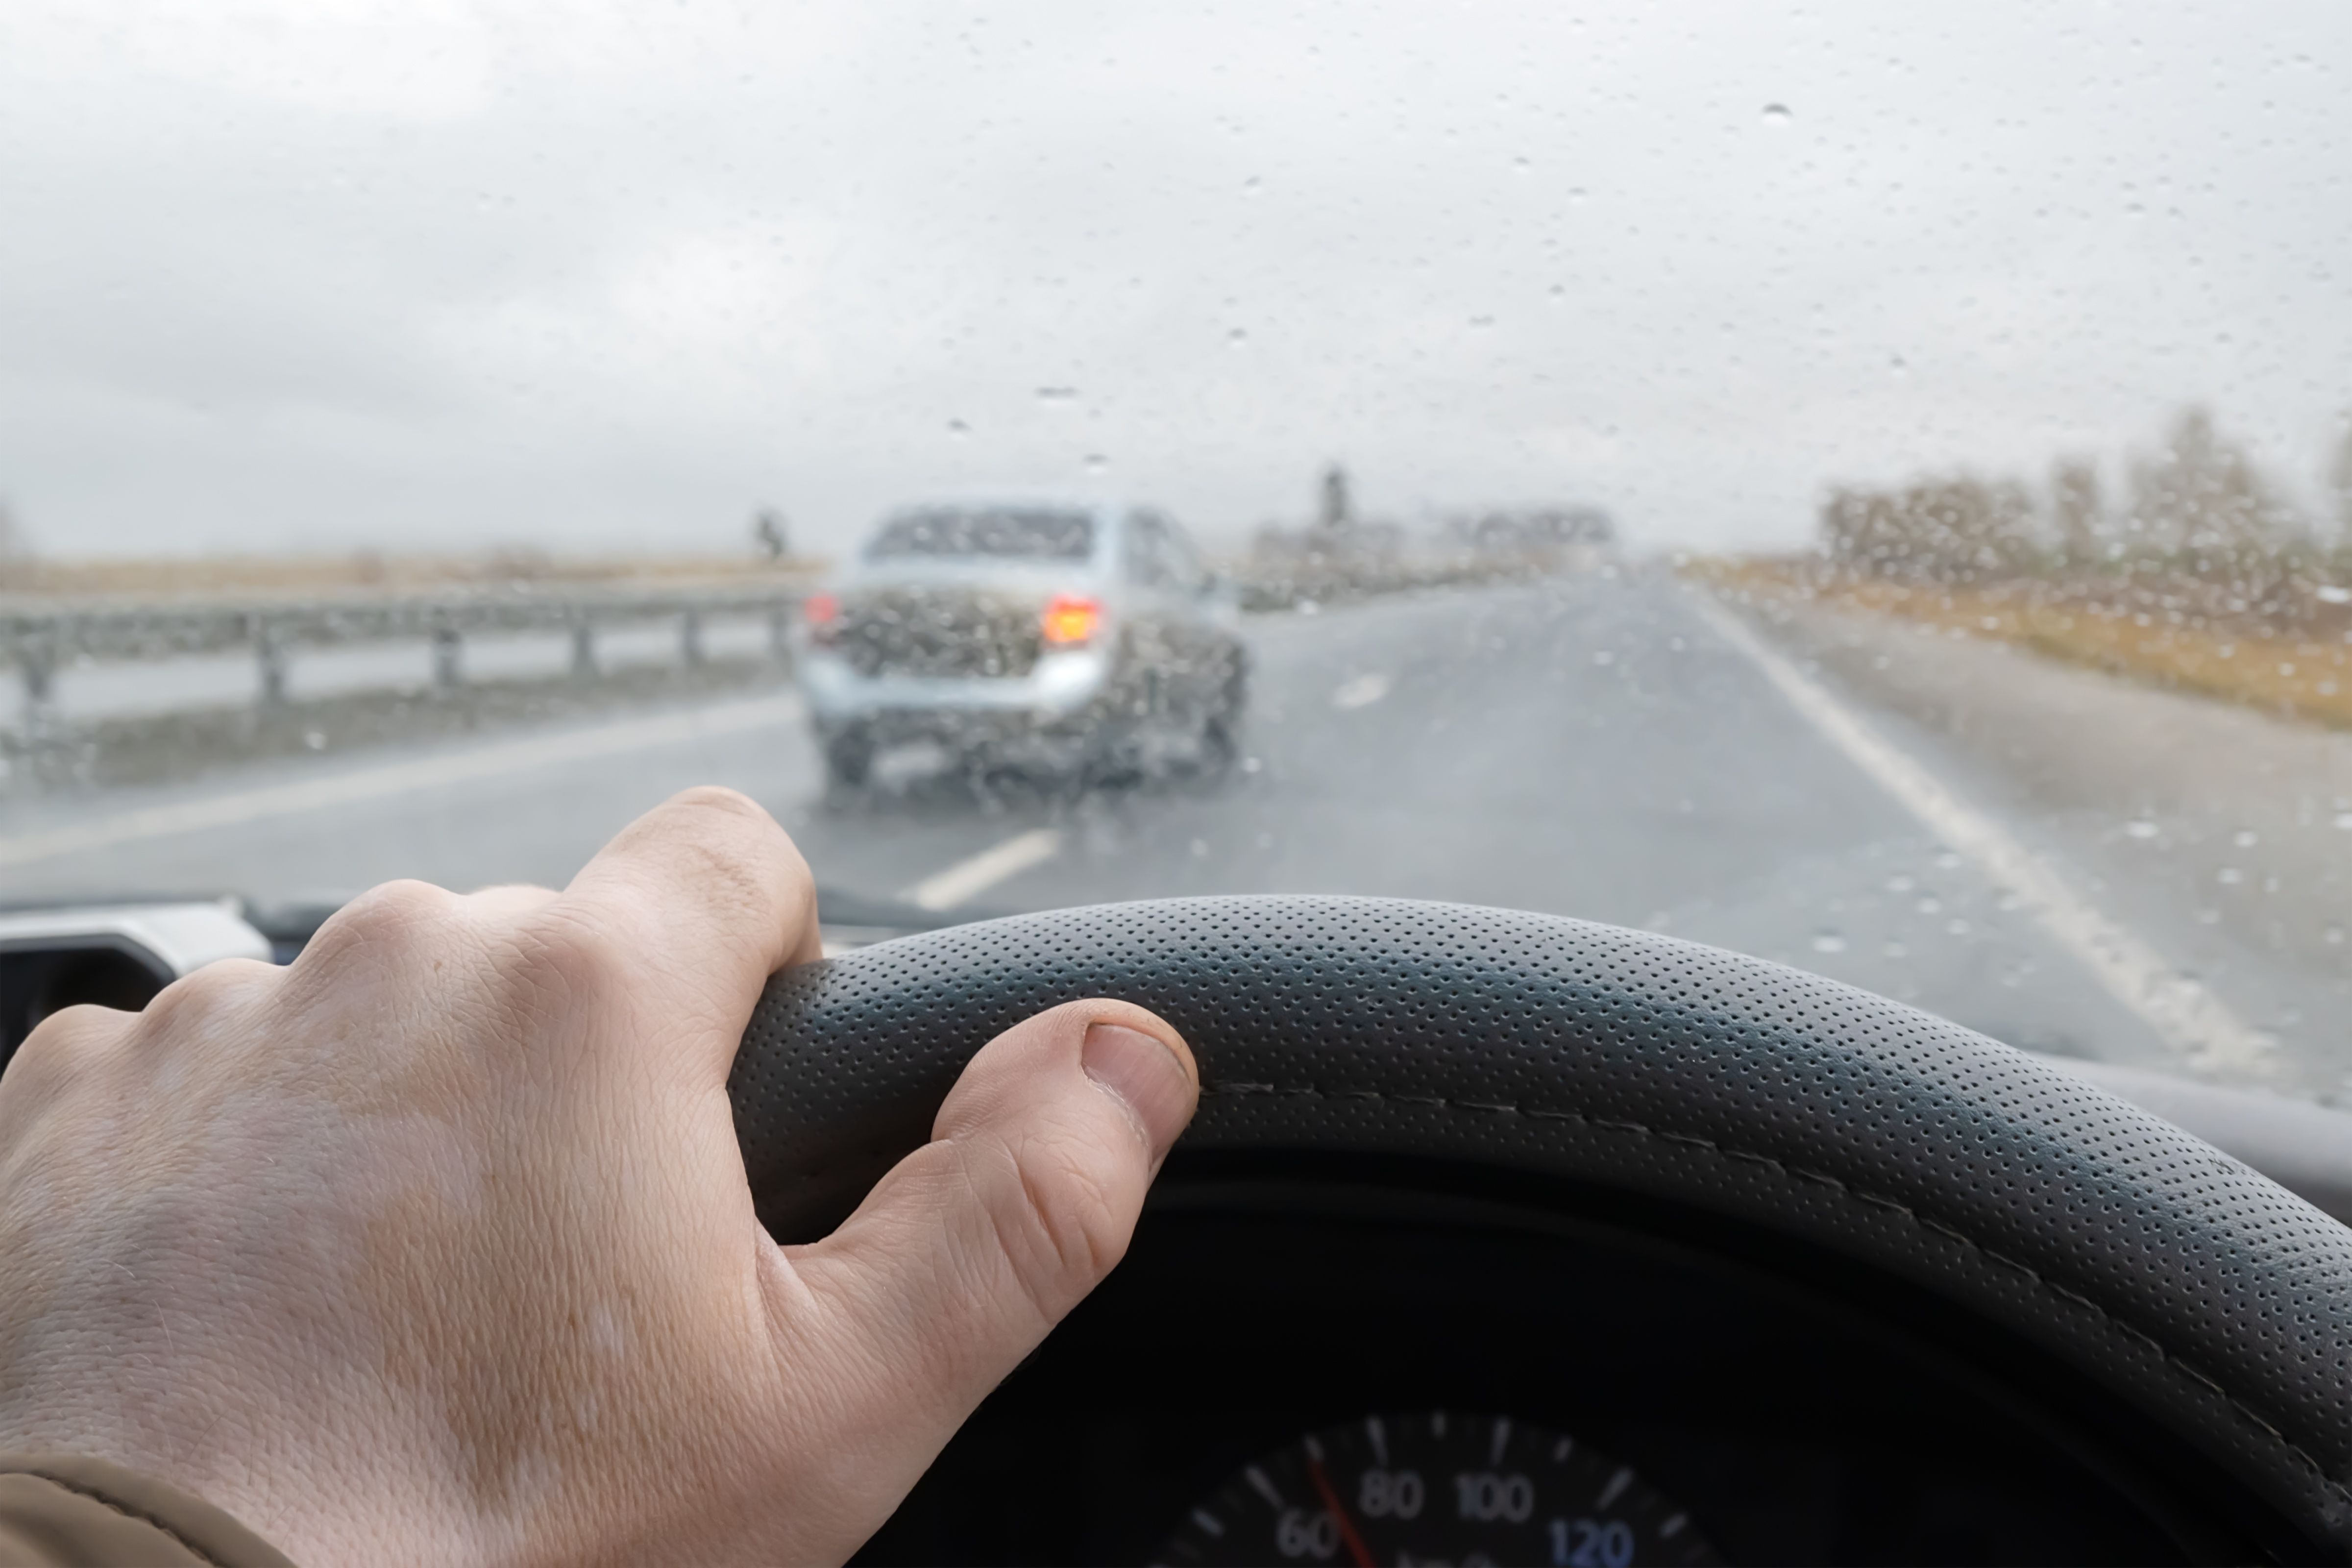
<point>2290,673</point>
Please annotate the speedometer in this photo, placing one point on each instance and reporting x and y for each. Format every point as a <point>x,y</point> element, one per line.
<point>1435,1489</point>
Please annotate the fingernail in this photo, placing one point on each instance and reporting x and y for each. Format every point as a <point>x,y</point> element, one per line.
<point>1144,1073</point>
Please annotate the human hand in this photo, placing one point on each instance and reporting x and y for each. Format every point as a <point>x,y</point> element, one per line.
<point>436,1246</point>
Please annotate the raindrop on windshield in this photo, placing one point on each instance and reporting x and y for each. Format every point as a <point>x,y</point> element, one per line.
<point>1776,114</point>
<point>2140,827</point>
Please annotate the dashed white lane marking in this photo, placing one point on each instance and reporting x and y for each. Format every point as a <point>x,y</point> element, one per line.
<point>968,880</point>
<point>1362,692</point>
<point>2181,1010</point>
<point>399,778</point>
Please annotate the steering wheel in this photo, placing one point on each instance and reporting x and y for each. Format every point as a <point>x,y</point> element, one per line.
<point>2210,1302</point>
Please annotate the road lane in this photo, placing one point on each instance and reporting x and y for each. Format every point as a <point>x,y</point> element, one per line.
<point>2181,1008</point>
<point>1588,746</point>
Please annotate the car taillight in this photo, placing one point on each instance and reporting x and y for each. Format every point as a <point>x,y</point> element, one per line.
<point>822,615</point>
<point>1069,620</point>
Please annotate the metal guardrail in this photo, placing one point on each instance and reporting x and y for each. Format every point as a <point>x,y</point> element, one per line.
<point>39,637</point>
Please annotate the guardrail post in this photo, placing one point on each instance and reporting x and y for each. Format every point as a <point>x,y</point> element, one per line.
<point>689,638</point>
<point>270,651</point>
<point>36,666</point>
<point>449,673</point>
<point>583,649</point>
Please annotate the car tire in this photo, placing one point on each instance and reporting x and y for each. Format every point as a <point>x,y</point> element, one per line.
<point>848,762</point>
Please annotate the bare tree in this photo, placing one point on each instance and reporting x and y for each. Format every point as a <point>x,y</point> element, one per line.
<point>1959,530</point>
<point>2339,480</point>
<point>2077,508</point>
<point>2201,495</point>
<point>15,548</point>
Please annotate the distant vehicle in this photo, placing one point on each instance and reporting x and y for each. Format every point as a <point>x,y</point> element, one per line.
<point>1065,642</point>
<point>1579,536</point>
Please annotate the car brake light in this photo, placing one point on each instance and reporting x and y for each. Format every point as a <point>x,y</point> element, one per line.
<point>821,614</point>
<point>1070,619</point>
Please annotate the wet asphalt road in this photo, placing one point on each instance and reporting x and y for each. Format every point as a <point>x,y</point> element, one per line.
<point>1590,746</point>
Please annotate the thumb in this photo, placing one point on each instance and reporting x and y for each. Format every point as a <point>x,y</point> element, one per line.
<point>977,1243</point>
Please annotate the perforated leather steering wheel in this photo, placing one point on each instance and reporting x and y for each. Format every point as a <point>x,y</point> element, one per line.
<point>2211,1301</point>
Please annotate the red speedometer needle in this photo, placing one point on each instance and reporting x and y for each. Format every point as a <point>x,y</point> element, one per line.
<point>1356,1550</point>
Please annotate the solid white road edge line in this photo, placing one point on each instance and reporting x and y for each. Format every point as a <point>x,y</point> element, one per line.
<point>400,778</point>
<point>968,879</point>
<point>2182,1011</point>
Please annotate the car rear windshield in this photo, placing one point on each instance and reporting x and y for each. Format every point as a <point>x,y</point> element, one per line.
<point>1054,535</point>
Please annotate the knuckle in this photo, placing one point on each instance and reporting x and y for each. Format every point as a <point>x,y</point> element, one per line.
<point>724,803</point>
<point>392,915</point>
<point>204,992</point>
<point>63,1047</point>
<point>555,961</point>
<point>213,986</point>
<point>1063,1232</point>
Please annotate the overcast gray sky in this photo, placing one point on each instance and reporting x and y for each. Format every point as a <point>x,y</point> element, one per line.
<point>321,273</point>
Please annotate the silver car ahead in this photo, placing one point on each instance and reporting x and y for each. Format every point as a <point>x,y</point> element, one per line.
<point>1079,643</point>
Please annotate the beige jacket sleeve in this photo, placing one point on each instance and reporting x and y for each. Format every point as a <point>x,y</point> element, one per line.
<point>57,1511</point>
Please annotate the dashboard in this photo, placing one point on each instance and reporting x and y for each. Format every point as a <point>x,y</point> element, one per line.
<point>1314,1364</point>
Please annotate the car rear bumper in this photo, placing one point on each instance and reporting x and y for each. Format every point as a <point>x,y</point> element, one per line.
<point>1060,691</point>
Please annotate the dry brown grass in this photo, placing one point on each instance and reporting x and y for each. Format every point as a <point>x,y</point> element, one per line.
<point>2286,671</point>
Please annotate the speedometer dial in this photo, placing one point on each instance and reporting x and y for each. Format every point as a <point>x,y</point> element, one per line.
<point>1436,1490</point>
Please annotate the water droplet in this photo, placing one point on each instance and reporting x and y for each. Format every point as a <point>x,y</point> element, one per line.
<point>1827,941</point>
<point>1604,657</point>
<point>1928,906</point>
<point>1900,883</point>
<point>1057,395</point>
<point>2245,838</point>
<point>2229,876</point>
<point>1252,186</point>
<point>1948,860</point>
<point>1096,462</point>
<point>1895,950</point>
<point>1252,764</point>
<point>2140,827</point>
<point>1236,336</point>
<point>1199,848</point>
<point>1776,114</point>
<point>2344,820</point>
<point>957,428</point>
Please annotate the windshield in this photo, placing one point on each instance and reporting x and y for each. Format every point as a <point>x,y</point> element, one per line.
<point>1867,486</point>
<point>1042,535</point>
